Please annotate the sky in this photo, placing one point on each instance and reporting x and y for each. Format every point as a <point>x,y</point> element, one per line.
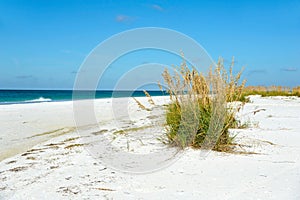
<point>44,43</point>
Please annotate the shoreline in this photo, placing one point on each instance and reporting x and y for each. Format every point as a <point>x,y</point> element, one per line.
<point>8,97</point>
<point>40,118</point>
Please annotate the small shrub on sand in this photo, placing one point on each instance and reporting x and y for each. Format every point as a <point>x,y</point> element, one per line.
<point>198,115</point>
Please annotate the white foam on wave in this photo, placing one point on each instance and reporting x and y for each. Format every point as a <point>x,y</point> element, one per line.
<point>41,99</point>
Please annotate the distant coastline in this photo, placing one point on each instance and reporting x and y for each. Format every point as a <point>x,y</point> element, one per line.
<point>10,96</point>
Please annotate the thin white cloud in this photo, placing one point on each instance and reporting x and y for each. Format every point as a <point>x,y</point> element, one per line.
<point>123,18</point>
<point>157,7</point>
<point>25,77</point>
<point>289,69</point>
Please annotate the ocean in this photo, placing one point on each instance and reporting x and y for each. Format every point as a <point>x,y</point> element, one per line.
<point>38,96</point>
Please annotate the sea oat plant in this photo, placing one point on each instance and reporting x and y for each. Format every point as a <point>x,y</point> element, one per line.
<point>198,115</point>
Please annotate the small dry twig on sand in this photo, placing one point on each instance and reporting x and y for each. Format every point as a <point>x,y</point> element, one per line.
<point>105,189</point>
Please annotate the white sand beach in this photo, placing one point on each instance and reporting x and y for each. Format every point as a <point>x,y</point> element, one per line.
<point>43,156</point>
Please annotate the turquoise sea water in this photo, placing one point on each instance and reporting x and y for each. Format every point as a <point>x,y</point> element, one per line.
<point>36,96</point>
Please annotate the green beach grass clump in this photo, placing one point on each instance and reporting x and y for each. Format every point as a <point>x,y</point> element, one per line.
<point>198,115</point>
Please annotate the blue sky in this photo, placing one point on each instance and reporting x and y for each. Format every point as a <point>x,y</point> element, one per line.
<point>43,43</point>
